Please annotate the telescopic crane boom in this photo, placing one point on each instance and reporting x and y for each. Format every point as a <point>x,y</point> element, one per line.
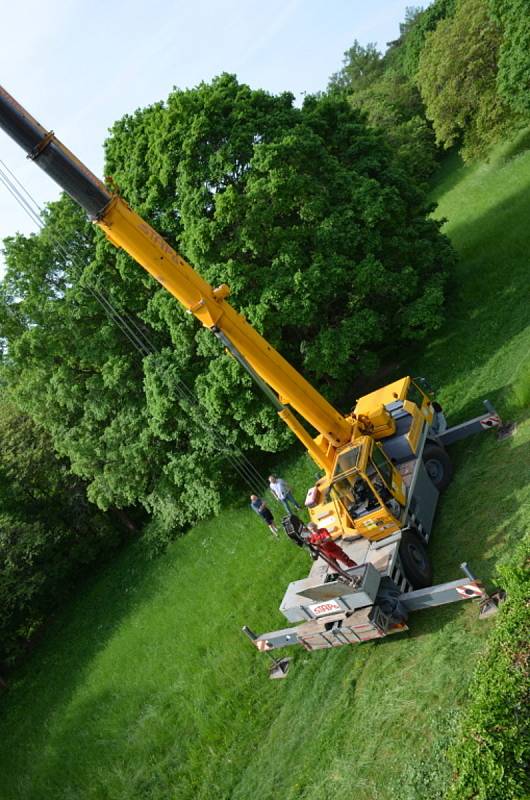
<point>126,229</point>
<point>384,464</point>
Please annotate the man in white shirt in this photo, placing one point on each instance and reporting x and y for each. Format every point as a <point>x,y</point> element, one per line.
<point>282,492</point>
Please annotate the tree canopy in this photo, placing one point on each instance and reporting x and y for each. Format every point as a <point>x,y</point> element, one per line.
<point>304,212</point>
<point>457,76</point>
<point>379,87</point>
<point>419,22</point>
<point>361,65</point>
<point>48,531</point>
<point>513,77</point>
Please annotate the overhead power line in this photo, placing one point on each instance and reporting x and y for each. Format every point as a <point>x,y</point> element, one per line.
<point>137,338</point>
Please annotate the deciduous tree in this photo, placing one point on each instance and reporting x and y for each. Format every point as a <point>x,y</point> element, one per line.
<point>49,532</point>
<point>457,76</point>
<point>305,213</point>
<point>513,77</point>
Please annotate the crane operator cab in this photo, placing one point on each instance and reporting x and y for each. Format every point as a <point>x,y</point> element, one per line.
<point>365,495</point>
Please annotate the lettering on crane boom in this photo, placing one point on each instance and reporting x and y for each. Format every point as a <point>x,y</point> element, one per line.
<point>156,239</point>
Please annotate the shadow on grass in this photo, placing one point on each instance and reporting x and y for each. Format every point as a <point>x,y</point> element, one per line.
<point>481,517</point>
<point>87,622</point>
<point>427,621</point>
<point>519,145</point>
<point>450,173</point>
<point>107,745</point>
<point>452,170</point>
<point>501,399</point>
<point>479,520</point>
<point>488,301</point>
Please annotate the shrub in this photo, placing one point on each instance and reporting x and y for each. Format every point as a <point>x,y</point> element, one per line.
<point>492,751</point>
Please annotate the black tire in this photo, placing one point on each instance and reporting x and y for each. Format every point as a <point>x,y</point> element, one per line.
<point>438,466</point>
<point>415,560</point>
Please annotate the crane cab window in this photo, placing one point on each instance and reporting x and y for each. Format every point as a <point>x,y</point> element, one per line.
<point>350,488</point>
<point>347,460</point>
<point>382,467</point>
<point>356,496</point>
<point>415,395</point>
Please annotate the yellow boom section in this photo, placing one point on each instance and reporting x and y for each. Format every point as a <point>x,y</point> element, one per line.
<point>124,228</point>
<point>129,231</point>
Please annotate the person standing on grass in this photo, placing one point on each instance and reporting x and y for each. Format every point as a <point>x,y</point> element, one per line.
<point>282,492</point>
<point>258,505</point>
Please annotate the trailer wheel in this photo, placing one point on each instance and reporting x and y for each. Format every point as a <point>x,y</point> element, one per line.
<point>415,560</point>
<point>438,466</point>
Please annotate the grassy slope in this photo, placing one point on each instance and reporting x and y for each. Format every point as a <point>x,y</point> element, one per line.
<point>144,687</point>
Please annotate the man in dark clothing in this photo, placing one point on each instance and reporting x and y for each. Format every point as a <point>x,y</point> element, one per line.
<point>258,505</point>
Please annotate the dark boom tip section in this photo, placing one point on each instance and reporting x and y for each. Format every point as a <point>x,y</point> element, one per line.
<point>52,156</point>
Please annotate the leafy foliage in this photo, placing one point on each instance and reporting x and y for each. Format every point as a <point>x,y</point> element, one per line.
<point>461,67</point>
<point>457,76</point>
<point>513,78</point>
<point>361,65</point>
<point>393,104</point>
<point>418,24</point>
<point>379,87</point>
<point>305,213</point>
<point>48,531</point>
<point>492,750</point>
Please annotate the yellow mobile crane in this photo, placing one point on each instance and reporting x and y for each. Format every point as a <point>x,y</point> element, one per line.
<point>383,463</point>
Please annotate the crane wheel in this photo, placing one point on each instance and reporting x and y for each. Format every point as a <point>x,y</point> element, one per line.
<point>438,466</point>
<point>415,560</point>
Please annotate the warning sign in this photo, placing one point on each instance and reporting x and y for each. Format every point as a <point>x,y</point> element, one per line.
<point>493,421</point>
<point>470,590</point>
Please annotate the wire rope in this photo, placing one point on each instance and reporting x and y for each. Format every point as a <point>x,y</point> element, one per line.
<point>138,338</point>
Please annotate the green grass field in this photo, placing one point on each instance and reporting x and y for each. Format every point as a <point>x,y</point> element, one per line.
<point>144,686</point>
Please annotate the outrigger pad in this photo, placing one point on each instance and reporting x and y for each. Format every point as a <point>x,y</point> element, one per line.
<point>279,669</point>
<point>490,604</point>
<point>506,430</point>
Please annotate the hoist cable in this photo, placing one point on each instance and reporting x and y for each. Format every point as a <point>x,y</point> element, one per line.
<point>138,338</point>
<point>144,347</point>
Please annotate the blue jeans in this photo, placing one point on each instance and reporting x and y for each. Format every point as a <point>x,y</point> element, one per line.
<point>289,499</point>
